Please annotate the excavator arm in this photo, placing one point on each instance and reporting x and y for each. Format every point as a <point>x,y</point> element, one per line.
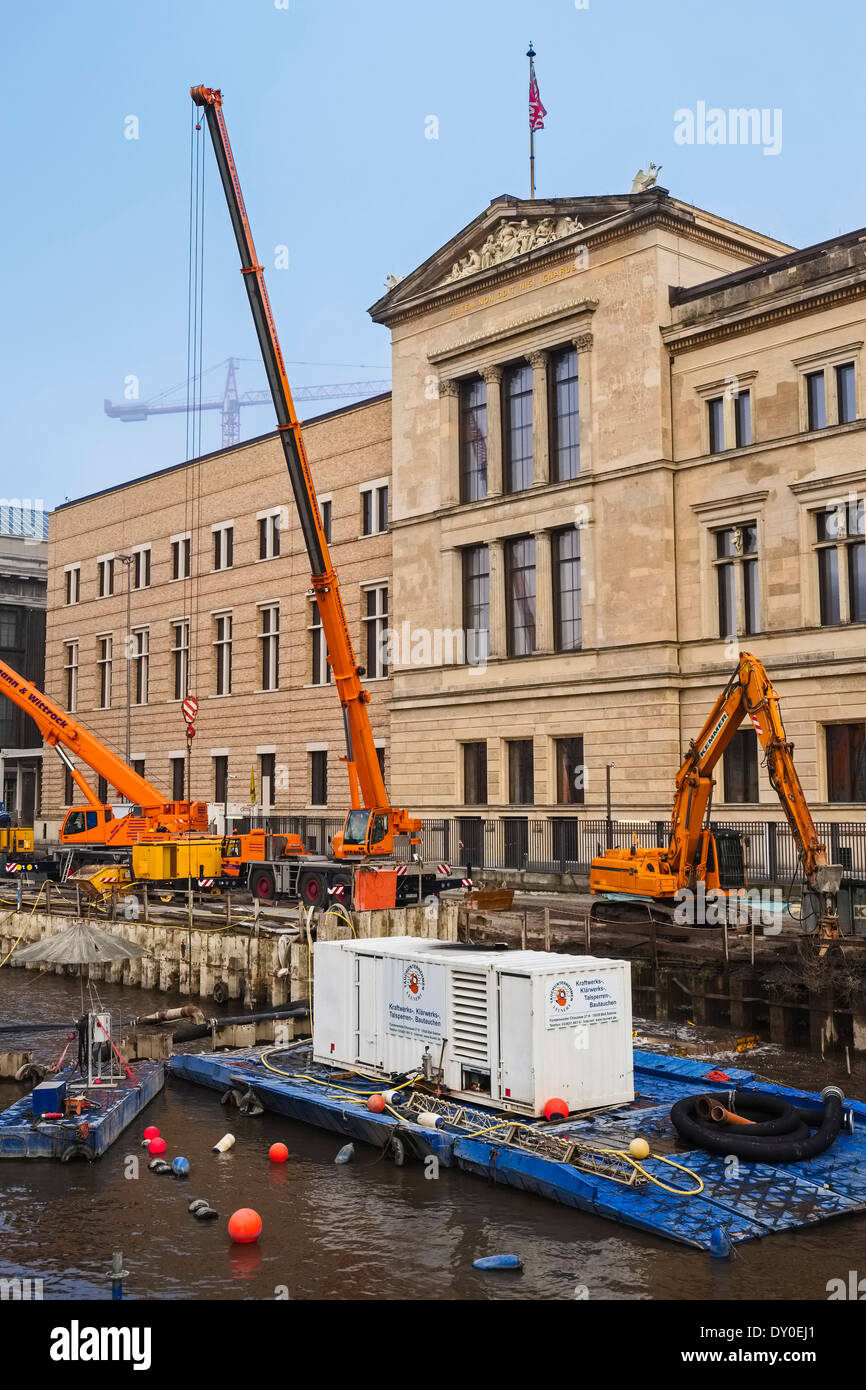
<point>749,692</point>
<point>371,831</point>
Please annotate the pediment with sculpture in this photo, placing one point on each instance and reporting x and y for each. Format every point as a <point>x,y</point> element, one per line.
<point>513,237</point>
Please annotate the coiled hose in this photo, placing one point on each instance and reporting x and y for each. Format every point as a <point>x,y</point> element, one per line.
<point>777,1132</point>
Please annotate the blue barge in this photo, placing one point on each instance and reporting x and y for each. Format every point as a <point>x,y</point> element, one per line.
<point>736,1202</point>
<point>110,1109</point>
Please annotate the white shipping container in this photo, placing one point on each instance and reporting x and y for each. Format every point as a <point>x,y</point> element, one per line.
<point>512,1028</point>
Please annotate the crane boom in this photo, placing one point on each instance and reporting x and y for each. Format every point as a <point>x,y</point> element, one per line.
<point>366,782</point>
<point>63,733</point>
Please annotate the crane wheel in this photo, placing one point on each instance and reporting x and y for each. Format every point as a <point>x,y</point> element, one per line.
<point>311,890</point>
<point>263,887</point>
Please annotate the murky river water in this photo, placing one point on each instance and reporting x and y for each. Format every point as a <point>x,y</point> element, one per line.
<point>367,1230</point>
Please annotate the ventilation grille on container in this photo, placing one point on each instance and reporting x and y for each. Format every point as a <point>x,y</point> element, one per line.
<point>469,1017</point>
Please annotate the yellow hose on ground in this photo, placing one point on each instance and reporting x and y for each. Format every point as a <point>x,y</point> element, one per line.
<point>24,928</point>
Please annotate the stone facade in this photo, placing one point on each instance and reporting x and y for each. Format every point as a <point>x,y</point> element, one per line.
<point>663,304</point>
<point>347,448</point>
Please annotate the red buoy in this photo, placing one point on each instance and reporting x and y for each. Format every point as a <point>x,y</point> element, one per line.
<point>157,1146</point>
<point>376,1103</point>
<point>151,1132</point>
<point>556,1107</point>
<point>278,1153</point>
<point>245,1226</point>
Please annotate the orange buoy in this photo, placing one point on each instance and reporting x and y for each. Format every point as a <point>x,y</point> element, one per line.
<point>157,1146</point>
<point>556,1107</point>
<point>245,1226</point>
<point>278,1153</point>
<point>151,1132</point>
<point>376,1103</point>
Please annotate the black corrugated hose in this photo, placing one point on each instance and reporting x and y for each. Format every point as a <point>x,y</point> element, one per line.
<point>779,1132</point>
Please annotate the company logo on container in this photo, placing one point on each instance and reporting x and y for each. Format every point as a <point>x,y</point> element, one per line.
<point>561,994</point>
<point>414,983</point>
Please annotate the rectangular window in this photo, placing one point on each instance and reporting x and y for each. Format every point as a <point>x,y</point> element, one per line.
<point>105,576</point>
<point>517,427</point>
<point>476,603</point>
<point>376,631</point>
<point>520,595</point>
<point>221,778</point>
<point>716,417</point>
<point>223,652</point>
<point>325,508</point>
<point>269,535</point>
<point>566,589</point>
<point>269,637</point>
<point>816,405</point>
<point>319,777</point>
<point>473,439</point>
<point>845,393</point>
<point>104,647</point>
<point>321,673</point>
<point>570,772</point>
<point>181,556</point>
<point>380,757</point>
<point>141,567</point>
<point>374,509</point>
<point>180,659</point>
<point>137,765</point>
<point>102,789</point>
<point>178,779</point>
<point>68,787</point>
<point>564,421</point>
<point>521,772</point>
<point>846,762</point>
<point>743,419</point>
<point>841,552</point>
<point>267,774</point>
<point>140,657</point>
<point>475,774</point>
<point>740,767</point>
<point>70,667</point>
<point>72,584</point>
<point>737,579</point>
<point>223,547</point>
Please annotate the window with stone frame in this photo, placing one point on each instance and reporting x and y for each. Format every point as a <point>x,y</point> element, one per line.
<point>473,439</point>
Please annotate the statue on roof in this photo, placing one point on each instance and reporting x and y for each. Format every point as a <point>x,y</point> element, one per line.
<point>643,181</point>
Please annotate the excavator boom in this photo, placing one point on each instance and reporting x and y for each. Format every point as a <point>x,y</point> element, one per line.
<point>691,856</point>
<point>362,832</point>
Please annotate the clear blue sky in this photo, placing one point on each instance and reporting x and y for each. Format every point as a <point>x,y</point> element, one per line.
<point>326,103</point>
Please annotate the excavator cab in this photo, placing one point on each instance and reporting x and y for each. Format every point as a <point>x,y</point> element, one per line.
<point>364,833</point>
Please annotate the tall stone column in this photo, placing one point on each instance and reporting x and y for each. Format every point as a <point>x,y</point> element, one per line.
<point>540,419</point>
<point>449,441</point>
<point>498,640</point>
<point>583,343</point>
<point>493,378</point>
<point>543,592</point>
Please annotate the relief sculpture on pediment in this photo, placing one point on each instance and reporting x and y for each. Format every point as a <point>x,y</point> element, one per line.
<point>512,238</point>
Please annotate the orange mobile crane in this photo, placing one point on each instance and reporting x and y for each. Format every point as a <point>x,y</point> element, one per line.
<point>698,854</point>
<point>96,825</point>
<point>372,823</point>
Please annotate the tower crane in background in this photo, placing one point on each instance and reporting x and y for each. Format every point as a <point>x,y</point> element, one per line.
<point>231,400</point>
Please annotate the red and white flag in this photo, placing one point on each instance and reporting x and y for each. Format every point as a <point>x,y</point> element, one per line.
<point>536,110</point>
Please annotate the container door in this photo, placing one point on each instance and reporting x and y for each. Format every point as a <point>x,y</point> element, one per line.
<point>515,1038</point>
<point>366,1016</point>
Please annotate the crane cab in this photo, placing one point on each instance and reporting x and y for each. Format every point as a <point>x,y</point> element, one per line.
<point>364,833</point>
<point>86,825</point>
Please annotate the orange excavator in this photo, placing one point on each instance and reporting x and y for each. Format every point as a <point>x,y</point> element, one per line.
<point>372,823</point>
<point>96,824</point>
<point>698,854</point>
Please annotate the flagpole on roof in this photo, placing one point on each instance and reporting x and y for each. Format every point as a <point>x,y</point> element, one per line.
<point>530,55</point>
